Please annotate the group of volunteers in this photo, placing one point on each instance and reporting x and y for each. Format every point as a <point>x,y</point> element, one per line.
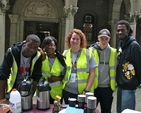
<point>100,68</point>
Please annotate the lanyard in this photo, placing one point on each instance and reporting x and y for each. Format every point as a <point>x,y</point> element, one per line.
<point>75,62</point>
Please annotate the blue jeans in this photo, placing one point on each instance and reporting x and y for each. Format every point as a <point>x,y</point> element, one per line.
<point>125,99</point>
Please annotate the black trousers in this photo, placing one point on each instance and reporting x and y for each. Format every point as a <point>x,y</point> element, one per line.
<point>67,95</point>
<point>105,98</point>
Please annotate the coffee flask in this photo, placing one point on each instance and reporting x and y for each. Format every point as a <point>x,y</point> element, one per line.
<point>43,99</point>
<point>25,89</point>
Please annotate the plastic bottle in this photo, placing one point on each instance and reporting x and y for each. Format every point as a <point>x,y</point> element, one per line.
<point>57,106</point>
<point>15,101</point>
<point>58,98</point>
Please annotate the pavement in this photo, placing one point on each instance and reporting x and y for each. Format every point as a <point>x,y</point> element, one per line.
<point>138,101</point>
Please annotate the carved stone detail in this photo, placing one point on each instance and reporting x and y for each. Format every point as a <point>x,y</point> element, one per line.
<point>4,5</point>
<point>70,11</point>
<point>13,18</point>
<point>112,22</point>
<point>40,9</point>
<point>63,21</point>
<point>132,16</point>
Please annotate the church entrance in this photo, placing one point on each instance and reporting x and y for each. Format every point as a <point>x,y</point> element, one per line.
<point>42,29</point>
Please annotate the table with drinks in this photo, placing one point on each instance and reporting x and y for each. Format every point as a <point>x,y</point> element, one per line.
<point>21,100</point>
<point>50,110</point>
<point>35,110</point>
<point>83,104</point>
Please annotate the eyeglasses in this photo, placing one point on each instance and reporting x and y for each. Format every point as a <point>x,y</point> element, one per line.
<point>51,45</point>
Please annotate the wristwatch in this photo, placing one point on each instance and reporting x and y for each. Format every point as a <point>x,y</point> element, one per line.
<point>87,90</point>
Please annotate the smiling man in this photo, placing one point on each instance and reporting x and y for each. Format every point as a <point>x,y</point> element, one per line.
<point>20,60</point>
<point>129,67</point>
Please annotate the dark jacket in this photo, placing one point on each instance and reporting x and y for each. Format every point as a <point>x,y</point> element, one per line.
<point>130,54</point>
<point>8,61</point>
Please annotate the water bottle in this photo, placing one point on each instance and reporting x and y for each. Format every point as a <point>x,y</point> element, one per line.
<point>15,101</point>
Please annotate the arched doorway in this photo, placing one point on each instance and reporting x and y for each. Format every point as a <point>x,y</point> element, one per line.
<point>42,29</point>
<point>38,17</point>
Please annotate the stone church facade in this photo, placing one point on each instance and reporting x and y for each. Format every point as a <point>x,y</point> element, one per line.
<point>18,18</point>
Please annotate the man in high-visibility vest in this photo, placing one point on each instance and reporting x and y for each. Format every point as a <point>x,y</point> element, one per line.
<point>104,82</point>
<point>21,60</point>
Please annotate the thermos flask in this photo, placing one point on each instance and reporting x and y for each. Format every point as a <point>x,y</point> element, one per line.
<point>25,89</point>
<point>43,100</point>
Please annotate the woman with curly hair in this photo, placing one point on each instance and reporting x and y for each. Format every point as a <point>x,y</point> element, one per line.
<point>81,65</point>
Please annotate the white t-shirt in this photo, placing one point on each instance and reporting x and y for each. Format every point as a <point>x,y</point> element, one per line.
<point>24,68</point>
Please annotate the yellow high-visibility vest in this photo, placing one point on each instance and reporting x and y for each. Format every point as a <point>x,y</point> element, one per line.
<point>112,66</point>
<point>14,70</point>
<point>56,87</point>
<point>82,69</point>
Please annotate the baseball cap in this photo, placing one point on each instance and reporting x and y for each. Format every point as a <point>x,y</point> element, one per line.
<point>104,32</point>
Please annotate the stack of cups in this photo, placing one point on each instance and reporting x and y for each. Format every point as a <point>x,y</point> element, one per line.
<point>91,104</point>
<point>81,100</point>
<point>87,95</point>
<point>72,102</point>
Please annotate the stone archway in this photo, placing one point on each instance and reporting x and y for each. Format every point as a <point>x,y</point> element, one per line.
<point>35,10</point>
<point>115,17</point>
<point>138,29</point>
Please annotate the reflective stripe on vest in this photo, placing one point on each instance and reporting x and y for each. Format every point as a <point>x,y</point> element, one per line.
<point>82,68</point>
<point>56,87</point>
<point>14,71</point>
<point>34,61</point>
<point>55,83</point>
<point>56,67</point>
<point>112,67</point>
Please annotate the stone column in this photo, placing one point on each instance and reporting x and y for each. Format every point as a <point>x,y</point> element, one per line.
<point>2,35</point>
<point>13,28</point>
<point>113,41</point>
<point>3,7</point>
<point>70,12</point>
<point>132,18</point>
<point>133,27</point>
<point>62,35</point>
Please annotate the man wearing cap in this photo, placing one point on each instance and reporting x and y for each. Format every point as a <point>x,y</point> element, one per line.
<point>104,83</point>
